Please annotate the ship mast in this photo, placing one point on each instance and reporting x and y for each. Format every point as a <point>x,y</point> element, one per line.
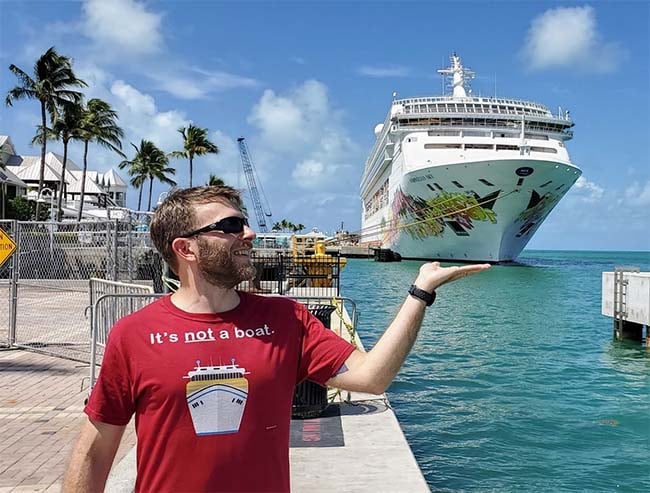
<point>459,77</point>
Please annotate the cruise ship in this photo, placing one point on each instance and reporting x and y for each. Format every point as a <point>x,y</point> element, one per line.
<point>464,178</point>
<point>216,397</point>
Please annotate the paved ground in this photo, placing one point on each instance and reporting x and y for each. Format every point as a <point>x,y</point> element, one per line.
<point>41,403</point>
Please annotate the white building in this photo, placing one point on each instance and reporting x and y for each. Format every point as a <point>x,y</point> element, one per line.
<point>22,176</point>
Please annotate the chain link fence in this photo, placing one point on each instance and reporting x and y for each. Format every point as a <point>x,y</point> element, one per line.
<point>45,284</point>
<point>6,292</point>
<point>49,274</point>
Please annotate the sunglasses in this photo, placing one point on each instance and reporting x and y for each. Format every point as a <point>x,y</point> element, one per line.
<point>228,225</point>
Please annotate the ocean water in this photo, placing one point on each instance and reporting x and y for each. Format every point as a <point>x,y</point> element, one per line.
<point>515,382</point>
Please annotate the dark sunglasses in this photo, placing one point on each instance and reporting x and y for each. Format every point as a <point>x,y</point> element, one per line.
<point>229,225</point>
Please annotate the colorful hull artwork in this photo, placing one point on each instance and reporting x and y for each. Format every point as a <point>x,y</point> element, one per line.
<point>216,398</point>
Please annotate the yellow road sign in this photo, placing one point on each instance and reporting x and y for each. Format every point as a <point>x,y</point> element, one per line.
<point>7,246</point>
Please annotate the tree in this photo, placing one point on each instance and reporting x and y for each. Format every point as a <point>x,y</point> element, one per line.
<point>215,181</point>
<point>150,163</point>
<point>286,225</point>
<point>99,125</point>
<point>51,86</point>
<point>66,127</point>
<point>195,143</point>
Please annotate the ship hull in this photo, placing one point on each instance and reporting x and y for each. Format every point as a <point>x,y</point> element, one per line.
<point>217,407</point>
<point>480,211</point>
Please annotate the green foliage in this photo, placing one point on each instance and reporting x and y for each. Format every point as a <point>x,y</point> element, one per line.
<point>195,143</point>
<point>285,225</point>
<point>21,209</point>
<point>215,181</point>
<point>51,85</point>
<point>149,163</point>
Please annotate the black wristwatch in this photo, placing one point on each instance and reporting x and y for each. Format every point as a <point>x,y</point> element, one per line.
<point>423,295</point>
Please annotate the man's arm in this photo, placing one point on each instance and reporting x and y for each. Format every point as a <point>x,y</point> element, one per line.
<point>92,457</point>
<point>374,371</point>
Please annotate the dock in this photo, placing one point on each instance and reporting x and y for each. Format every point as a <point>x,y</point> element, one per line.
<point>626,299</point>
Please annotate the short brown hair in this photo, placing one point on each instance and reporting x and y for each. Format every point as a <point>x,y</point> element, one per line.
<point>176,216</point>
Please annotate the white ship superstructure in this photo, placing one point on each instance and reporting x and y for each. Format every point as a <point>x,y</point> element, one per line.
<point>460,177</point>
<point>216,397</point>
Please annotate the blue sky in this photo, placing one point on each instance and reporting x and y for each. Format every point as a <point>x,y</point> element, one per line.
<point>306,82</point>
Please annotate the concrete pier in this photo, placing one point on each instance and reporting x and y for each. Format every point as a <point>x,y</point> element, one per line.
<point>626,298</point>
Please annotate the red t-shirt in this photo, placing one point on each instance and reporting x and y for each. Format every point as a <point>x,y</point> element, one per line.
<point>212,393</point>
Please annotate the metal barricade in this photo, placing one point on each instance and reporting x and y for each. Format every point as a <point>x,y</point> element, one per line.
<point>109,302</point>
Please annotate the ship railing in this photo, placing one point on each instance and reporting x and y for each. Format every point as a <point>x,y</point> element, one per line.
<point>470,99</point>
<point>371,165</point>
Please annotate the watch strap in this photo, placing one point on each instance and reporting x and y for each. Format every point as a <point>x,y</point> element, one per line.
<point>423,295</point>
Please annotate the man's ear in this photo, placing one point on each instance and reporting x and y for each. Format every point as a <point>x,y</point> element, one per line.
<point>183,248</point>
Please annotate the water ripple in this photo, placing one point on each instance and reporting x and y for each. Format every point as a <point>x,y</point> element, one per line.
<point>515,383</point>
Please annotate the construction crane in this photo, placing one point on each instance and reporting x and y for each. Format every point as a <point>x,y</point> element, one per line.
<point>261,213</point>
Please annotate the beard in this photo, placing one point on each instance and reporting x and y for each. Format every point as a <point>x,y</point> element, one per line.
<point>218,266</point>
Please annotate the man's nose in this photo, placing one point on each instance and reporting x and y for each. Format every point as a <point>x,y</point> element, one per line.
<point>248,233</point>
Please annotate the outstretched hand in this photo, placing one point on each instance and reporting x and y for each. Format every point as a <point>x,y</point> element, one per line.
<point>432,276</point>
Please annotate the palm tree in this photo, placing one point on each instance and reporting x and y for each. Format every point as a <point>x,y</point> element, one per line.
<point>66,127</point>
<point>215,181</point>
<point>298,227</point>
<point>195,143</point>
<point>99,125</point>
<point>50,85</point>
<point>149,163</point>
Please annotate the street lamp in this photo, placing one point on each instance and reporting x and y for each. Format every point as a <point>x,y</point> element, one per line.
<point>43,201</point>
<point>161,198</point>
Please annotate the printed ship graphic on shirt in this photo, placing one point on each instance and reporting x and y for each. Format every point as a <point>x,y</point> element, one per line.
<point>216,397</point>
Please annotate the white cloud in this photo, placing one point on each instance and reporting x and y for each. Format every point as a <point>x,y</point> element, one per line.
<point>569,37</point>
<point>637,195</point>
<point>125,26</point>
<point>394,71</point>
<point>309,172</point>
<point>588,190</point>
<point>226,164</point>
<point>198,83</point>
<point>302,127</point>
<point>141,119</point>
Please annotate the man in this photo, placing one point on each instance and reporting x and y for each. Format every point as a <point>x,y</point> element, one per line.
<point>209,372</point>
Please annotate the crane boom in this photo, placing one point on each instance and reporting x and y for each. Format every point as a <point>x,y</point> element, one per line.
<point>249,172</point>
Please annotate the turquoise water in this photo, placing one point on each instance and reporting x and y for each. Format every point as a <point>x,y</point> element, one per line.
<point>515,382</point>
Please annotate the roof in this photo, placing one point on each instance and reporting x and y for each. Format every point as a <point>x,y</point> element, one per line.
<point>53,160</point>
<point>74,185</point>
<point>32,172</point>
<point>113,179</point>
<point>6,176</point>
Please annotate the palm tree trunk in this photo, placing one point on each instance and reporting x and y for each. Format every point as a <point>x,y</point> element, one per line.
<point>41,172</point>
<point>59,213</point>
<point>191,170</point>
<point>83,182</point>
<point>150,191</point>
<point>140,197</point>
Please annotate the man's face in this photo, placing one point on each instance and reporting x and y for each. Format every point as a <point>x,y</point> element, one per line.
<point>223,258</point>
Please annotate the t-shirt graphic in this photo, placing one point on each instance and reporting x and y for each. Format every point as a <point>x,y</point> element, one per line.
<point>216,397</point>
